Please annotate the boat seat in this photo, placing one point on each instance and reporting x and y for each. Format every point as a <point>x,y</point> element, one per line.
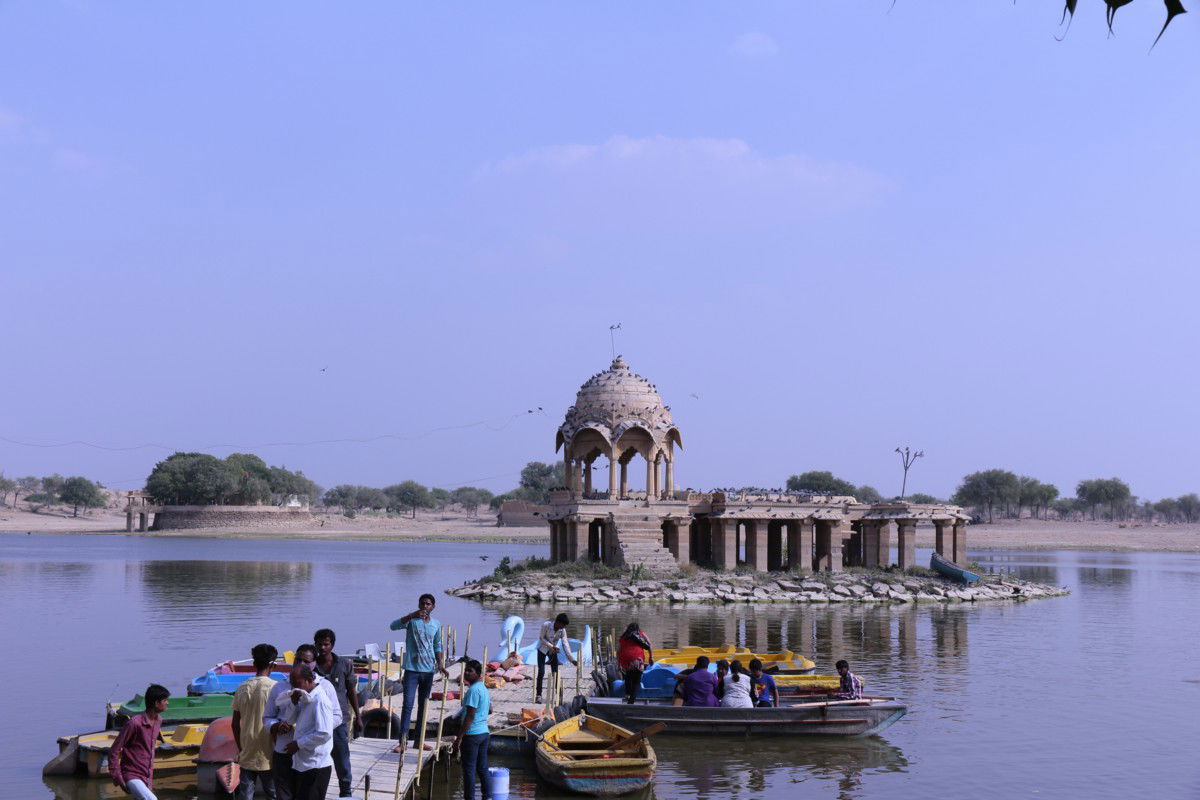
<point>584,737</point>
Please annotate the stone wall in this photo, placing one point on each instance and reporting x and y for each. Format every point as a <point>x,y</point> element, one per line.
<point>248,517</point>
<point>521,513</point>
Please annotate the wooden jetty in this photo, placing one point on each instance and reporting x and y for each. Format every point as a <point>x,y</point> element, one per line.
<point>373,763</point>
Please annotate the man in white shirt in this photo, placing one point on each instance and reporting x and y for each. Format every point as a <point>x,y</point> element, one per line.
<point>552,638</point>
<point>279,717</point>
<point>312,742</point>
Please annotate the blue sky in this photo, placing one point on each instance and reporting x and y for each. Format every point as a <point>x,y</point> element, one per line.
<point>844,229</point>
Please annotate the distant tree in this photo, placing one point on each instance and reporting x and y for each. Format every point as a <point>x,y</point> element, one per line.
<point>1066,507</point>
<point>1189,507</point>
<point>408,494</point>
<point>1112,492</point>
<point>1168,507</point>
<point>192,479</point>
<point>284,484</point>
<point>987,489</point>
<point>52,484</point>
<point>471,498</point>
<point>253,479</point>
<point>79,492</point>
<point>26,486</point>
<point>372,498</point>
<point>341,495</point>
<point>868,494</point>
<point>8,485</point>
<point>923,499</point>
<point>819,482</point>
<point>440,498</point>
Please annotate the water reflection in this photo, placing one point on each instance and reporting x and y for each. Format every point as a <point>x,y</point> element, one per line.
<point>185,583</point>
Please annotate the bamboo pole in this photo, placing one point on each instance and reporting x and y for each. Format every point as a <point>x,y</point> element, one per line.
<point>421,744</point>
<point>383,686</point>
<point>437,752</point>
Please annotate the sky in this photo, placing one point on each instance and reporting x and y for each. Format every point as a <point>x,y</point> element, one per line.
<point>367,240</point>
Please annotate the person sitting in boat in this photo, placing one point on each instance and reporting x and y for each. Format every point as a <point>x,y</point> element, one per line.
<point>722,673</point>
<point>552,638</point>
<point>764,693</point>
<point>630,659</point>
<point>851,685</point>
<point>736,688</point>
<point>699,685</point>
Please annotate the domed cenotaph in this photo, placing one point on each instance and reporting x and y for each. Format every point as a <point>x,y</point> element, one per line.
<point>620,416</point>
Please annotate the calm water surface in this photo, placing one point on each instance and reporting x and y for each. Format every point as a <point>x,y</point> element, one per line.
<point>1094,695</point>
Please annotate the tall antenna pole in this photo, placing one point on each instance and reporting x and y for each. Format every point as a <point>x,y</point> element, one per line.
<point>612,339</point>
<point>906,459</point>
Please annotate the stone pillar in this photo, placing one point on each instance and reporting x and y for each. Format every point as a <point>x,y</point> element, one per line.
<point>670,467</point>
<point>570,473</point>
<point>756,544</point>
<point>724,543</point>
<point>579,543</point>
<point>554,557</point>
<point>128,520</point>
<point>624,490</point>
<point>943,538</point>
<point>649,479</point>
<point>775,549</point>
<point>854,545</point>
<point>800,546</point>
<point>143,518</point>
<point>906,543</point>
<point>587,477</point>
<point>658,460</point>
<point>612,478</point>
<point>679,540</point>
<point>829,545</point>
<point>960,543</point>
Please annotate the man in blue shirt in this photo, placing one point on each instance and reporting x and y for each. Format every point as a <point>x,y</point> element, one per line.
<point>422,656</point>
<point>472,740</point>
<point>766,693</point>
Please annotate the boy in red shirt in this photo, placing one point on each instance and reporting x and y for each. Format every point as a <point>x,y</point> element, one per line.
<point>131,759</point>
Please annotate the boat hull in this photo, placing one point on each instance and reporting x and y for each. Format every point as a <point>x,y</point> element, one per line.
<point>837,718</point>
<point>951,570</point>
<point>560,762</point>
<point>177,749</point>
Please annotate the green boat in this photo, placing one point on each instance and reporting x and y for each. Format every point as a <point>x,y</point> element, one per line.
<point>201,708</point>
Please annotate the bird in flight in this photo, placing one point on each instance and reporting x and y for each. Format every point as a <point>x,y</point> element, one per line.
<point>483,558</point>
<point>323,369</point>
<point>695,395</point>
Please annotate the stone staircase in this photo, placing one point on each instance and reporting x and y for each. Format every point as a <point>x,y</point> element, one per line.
<point>639,541</point>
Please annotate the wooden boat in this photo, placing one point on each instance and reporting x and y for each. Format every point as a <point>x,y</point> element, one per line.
<point>660,682</point>
<point>784,662</point>
<point>951,570</point>
<point>201,708</point>
<point>577,754</point>
<point>822,718</point>
<point>177,749</point>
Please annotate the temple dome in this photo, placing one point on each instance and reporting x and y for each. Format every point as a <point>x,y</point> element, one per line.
<point>615,401</point>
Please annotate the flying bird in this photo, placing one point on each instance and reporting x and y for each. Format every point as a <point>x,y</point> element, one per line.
<point>695,395</point>
<point>483,558</point>
<point>323,369</point>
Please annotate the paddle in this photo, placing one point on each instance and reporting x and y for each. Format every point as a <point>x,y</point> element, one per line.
<point>646,732</point>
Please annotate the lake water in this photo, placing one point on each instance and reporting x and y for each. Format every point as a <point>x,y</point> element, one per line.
<point>1092,695</point>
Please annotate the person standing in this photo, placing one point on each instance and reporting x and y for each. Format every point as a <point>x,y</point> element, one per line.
<point>131,757</point>
<point>312,747</point>
<point>473,736</point>
<point>340,674</point>
<point>423,655</point>
<point>630,659</point>
<point>851,685</point>
<point>279,718</point>
<point>254,740</point>
<point>552,638</point>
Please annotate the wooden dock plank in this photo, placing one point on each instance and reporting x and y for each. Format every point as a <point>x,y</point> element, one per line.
<point>374,757</point>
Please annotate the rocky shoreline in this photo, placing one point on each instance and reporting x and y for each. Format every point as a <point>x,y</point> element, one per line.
<point>842,587</point>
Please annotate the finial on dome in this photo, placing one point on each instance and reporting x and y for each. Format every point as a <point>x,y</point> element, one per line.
<point>619,363</point>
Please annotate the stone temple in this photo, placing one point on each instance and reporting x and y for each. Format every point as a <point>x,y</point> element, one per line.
<point>619,416</point>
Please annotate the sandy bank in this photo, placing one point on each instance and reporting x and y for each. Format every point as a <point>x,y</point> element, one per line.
<point>1025,534</point>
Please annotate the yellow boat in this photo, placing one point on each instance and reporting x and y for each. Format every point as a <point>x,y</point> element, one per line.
<point>577,754</point>
<point>785,661</point>
<point>177,749</point>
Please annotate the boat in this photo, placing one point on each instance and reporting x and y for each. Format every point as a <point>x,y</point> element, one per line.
<point>785,662</point>
<point>213,682</point>
<point>177,749</point>
<point>823,718</point>
<point>951,570</point>
<point>660,682</point>
<point>578,754</point>
<point>512,631</point>
<point>200,708</point>
<point>217,768</point>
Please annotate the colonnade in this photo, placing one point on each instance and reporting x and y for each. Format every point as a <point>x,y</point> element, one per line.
<point>660,474</point>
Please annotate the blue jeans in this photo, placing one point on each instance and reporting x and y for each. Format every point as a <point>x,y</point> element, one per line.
<point>341,760</point>
<point>417,686</point>
<point>245,789</point>
<point>474,763</point>
<point>137,789</point>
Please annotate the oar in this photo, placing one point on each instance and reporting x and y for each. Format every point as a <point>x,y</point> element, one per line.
<point>630,741</point>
